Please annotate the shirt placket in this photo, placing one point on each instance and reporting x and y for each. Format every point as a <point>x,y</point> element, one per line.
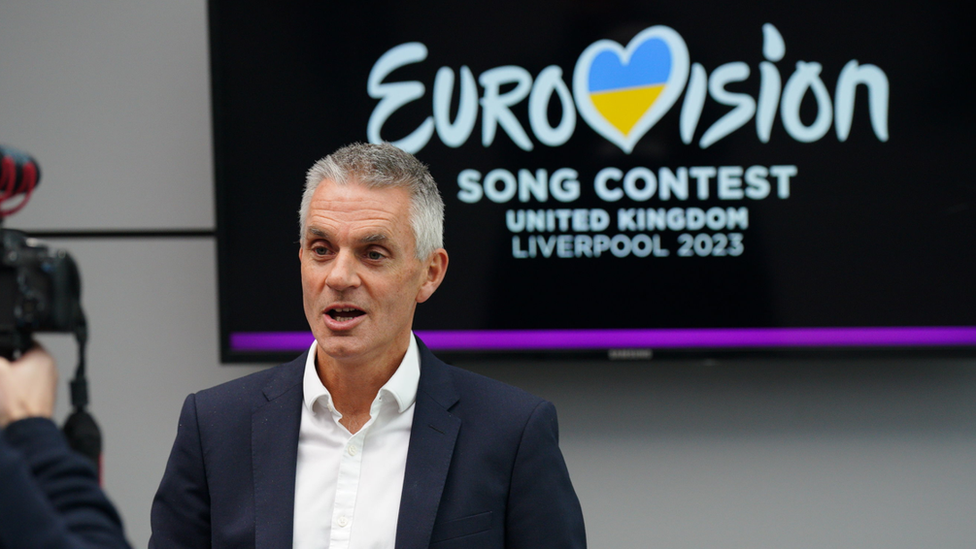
<point>347,487</point>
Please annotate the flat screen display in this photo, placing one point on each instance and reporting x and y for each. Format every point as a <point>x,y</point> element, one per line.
<point>625,175</point>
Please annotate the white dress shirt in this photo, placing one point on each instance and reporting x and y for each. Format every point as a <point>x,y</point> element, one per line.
<point>347,486</point>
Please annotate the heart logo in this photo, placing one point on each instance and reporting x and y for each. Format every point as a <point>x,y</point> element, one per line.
<point>623,92</point>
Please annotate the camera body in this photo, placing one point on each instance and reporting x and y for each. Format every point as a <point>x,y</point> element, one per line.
<point>40,291</point>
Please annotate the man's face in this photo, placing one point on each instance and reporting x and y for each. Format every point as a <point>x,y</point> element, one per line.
<point>360,276</point>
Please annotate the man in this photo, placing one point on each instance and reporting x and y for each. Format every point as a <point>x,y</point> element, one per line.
<point>367,440</point>
<point>49,495</point>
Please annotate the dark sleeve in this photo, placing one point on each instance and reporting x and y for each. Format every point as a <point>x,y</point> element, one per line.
<point>543,510</point>
<point>49,495</point>
<point>181,509</point>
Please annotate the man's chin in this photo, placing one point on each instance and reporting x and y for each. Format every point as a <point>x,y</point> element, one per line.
<point>340,346</point>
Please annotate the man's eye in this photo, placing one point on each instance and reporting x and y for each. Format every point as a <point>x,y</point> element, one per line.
<point>320,250</point>
<point>374,255</point>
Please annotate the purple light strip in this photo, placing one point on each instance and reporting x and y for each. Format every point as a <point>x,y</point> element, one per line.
<point>714,338</point>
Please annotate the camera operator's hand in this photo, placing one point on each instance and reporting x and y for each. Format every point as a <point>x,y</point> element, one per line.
<point>27,386</point>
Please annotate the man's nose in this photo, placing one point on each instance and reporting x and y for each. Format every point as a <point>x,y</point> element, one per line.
<point>343,271</point>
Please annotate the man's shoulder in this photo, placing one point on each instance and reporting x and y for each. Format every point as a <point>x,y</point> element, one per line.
<point>479,392</point>
<point>270,383</point>
<point>496,416</point>
<point>473,383</point>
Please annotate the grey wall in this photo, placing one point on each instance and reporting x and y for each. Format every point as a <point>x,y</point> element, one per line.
<point>113,98</point>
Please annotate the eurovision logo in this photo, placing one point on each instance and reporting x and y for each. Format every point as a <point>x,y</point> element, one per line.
<point>622,92</point>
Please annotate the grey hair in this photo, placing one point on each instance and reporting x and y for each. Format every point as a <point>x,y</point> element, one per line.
<point>380,166</point>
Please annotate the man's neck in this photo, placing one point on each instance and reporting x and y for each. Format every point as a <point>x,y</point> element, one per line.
<point>354,384</point>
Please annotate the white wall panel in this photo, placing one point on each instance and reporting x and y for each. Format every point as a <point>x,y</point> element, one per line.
<point>113,100</point>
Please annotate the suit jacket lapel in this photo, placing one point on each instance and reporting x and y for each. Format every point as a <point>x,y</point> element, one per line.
<point>274,454</point>
<point>432,439</point>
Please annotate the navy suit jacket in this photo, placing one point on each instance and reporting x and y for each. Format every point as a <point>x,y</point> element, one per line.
<point>483,467</point>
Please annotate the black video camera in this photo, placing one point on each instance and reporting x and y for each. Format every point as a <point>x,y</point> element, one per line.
<point>40,291</point>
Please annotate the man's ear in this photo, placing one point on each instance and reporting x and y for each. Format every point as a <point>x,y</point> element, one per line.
<point>436,268</point>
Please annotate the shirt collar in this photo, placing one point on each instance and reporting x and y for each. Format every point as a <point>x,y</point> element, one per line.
<point>402,386</point>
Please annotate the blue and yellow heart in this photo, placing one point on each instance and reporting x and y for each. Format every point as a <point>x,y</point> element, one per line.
<point>623,91</point>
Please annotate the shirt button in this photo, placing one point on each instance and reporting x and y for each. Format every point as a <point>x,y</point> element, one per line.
<point>343,522</point>
<point>353,450</point>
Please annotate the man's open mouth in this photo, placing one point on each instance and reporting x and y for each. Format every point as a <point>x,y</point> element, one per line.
<point>342,314</point>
